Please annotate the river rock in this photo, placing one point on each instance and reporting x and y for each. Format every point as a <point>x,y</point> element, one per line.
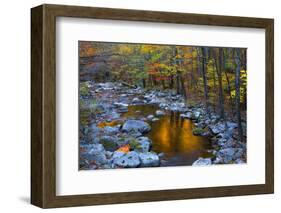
<point>217,128</point>
<point>117,154</point>
<point>161,154</point>
<point>187,115</point>
<point>144,144</point>
<point>148,97</point>
<point>128,160</point>
<point>229,143</point>
<point>159,113</point>
<point>121,107</point>
<point>95,131</point>
<point>106,86</point>
<point>177,106</point>
<point>149,159</point>
<point>155,119</point>
<point>109,143</point>
<point>136,126</point>
<point>136,101</point>
<point>96,153</point>
<point>114,115</point>
<point>202,162</point>
<point>155,100</point>
<point>230,154</point>
<point>150,117</point>
<point>239,161</point>
<point>196,115</point>
<point>111,130</point>
<point>163,105</point>
<point>231,125</point>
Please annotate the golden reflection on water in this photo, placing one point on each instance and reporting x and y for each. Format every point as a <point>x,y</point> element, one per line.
<point>174,134</point>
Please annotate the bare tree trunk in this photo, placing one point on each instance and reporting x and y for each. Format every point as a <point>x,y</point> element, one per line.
<point>163,84</point>
<point>178,83</point>
<point>143,83</point>
<point>171,82</point>
<point>219,71</point>
<point>229,91</point>
<point>183,87</point>
<point>205,77</point>
<point>237,96</point>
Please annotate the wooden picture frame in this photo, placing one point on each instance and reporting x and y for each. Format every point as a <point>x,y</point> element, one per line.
<point>43,105</point>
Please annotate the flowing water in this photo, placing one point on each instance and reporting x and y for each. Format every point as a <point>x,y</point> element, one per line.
<point>172,135</point>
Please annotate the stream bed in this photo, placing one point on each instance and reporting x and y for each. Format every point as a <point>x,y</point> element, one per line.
<point>121,127</point>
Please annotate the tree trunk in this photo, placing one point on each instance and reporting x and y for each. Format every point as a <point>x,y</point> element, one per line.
<point>205,78</point>
<point>229,91</point>
<point>163,84</point>
<point>171,82</point>
<point>183,87</point>
<point>178,83</point>
<point>237,95</point>
<point>219,71</point>
<point>143,83</point>
<point>215,86</point>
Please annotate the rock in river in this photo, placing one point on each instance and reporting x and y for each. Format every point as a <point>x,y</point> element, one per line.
<point>202,162</point>
<point>149,159</point>
<point>187,115</point>
<point>144,144</point>
<point>136,126</point>
<point>128,160</point>
<point>155,119</point>
<point>121,107</point>
<point>159,113</point>
<point>137,101</point>
<point>150,117</point>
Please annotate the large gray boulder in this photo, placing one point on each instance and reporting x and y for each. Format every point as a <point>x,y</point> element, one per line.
<point>96,153</point>
<point>126,160</point>
<point>202,162</point>
<point>149,159</point>
<point>136,126</point>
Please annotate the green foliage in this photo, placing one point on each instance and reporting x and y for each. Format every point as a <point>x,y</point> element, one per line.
<point>179,68</point>
<point>87,109</point>
<point>197,131</point>
<point>134,144</point>
<point>108,144</point>
<point>84,89</point>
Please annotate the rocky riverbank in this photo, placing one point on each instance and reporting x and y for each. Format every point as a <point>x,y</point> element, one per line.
<point>110,140</point>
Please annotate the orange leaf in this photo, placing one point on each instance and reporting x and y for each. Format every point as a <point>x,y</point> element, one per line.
<point>125,148</point>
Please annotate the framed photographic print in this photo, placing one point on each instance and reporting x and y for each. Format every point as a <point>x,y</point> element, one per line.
<point>136,106</point>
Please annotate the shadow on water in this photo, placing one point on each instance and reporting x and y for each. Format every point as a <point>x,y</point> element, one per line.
<point>172,135</point>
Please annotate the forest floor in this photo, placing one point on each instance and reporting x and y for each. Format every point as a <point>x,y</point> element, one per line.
<point>128,127</point>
